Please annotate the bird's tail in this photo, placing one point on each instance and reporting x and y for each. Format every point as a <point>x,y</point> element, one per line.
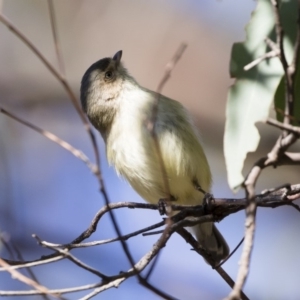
<point>212,241</point>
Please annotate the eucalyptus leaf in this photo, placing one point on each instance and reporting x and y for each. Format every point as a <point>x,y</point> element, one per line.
<point>251,96</point>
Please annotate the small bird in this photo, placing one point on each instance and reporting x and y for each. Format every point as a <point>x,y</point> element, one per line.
<point>120,110</point>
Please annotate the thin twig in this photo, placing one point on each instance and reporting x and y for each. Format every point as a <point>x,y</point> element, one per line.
<point>272,158</point>
<point>144,282</point>
<point>52,137</point>
<point>287,76</point>
<point>73,98</point>
<point>138,267</point>
<point>30,271</point>
<point>60,78</point>
<point>50,292</point>
<point>101,288</point>
<point>65,252</point>
<point>294,63</point>
<point>283,126</point>
<point>87,126</point>
<point>190,239</point>
<point>232,252</point>
<point>221,208</point>
<point>248,241</point>
<point>17,275</point>
<point>281,112</point>
<point>108,207</point>
<point>263,200</point>
<point>33,263</point>
<point>255,62</point>
<point>107,241</point>
<point>13,250</point>
<point>55,37</point>
<point>294,205</point>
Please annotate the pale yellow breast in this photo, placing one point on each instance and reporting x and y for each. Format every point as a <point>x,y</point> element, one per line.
<point>130,148</point>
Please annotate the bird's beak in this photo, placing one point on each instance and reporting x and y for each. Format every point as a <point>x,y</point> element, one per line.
<point>117,57</point>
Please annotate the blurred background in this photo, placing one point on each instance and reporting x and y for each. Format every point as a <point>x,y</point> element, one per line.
<point>46,191</point>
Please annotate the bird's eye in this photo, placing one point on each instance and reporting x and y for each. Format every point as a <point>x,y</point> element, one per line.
<point>109,75</point>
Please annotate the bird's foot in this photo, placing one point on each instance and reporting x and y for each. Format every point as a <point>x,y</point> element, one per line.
<point>164,205</point>
<point>208,199</point>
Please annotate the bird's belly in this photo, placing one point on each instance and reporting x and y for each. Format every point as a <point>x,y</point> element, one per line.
<point>141,168</point>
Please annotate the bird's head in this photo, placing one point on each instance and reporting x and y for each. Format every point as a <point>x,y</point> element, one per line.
<point>101,86</point>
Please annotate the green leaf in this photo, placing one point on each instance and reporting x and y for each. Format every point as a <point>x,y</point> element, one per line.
<point>251,96</point>
<point>279,99</point>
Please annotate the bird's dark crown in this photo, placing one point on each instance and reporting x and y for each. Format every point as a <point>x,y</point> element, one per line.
<point>101,66</point>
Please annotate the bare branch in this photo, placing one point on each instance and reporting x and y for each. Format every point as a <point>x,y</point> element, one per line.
<point>190,239</point>
<point>283,126</point>
<point>17,275</point>
<point>28,264</point>
<point>50,292</point>
<point>248,241</point>
<point>52,137</point>
<point>271,199</point>
<point>29,270</point>
<point>292,118</point>
<point>169,68</point>
<point>155,290</point>
<point>294,63</point>
<point>254,63</point>
<point>55,37</point>
<point>232,252</point>
<point>273,158</point>
<point>189,216</point>
<point>65,253</point>
<point>107,241</point>
<point>138,267</point>
<point>54,72</point>
<point>93,226</point>
<point>71,95</point>
<point>279,33</point>
<point>289,92</point>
